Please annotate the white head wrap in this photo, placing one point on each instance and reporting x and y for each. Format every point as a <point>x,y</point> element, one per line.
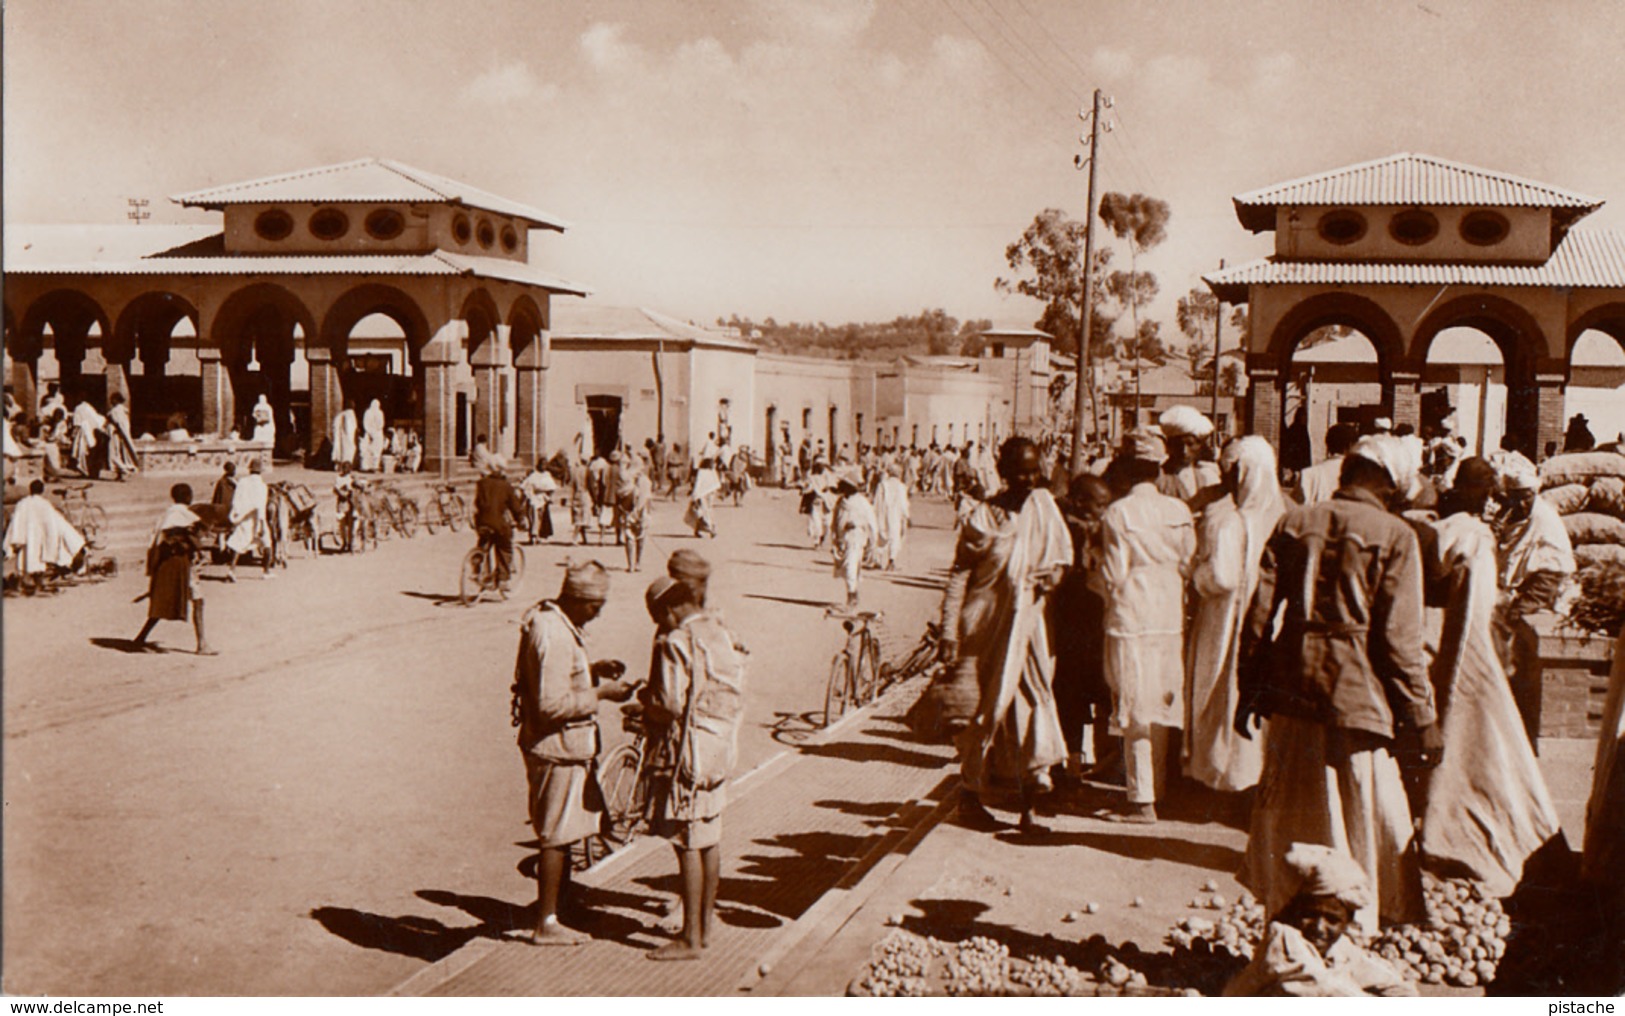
<point>1400,456</point>
<point>1328,872</point>
<point>1185,421</point>
<point>1517,473</point>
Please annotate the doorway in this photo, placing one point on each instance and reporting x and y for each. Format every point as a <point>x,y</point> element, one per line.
<point>605,413</point>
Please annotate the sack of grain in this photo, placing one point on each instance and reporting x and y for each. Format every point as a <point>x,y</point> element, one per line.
<point>1579,467</point>
<point>1567,499</point>
<point>1592,527</point>
<point>1598,553</point>
<point>1607,496</point>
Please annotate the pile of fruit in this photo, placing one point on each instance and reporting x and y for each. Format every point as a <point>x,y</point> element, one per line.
<point>1461,943</point>
<point>905,963</point>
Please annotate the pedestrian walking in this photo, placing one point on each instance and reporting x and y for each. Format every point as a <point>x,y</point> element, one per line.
<point>344,436</point>
<point>696,700</point>
<point>632,503</point>
<point>250,530</point>
<point>171,595</point>
<point>556,692</point>
<point>698,516</point>
<point>892,514</point>
<point>1010,555</point>
<point>1148,542</point>
<point>854,529</point>
<point>1078,618</point>
<point>1339,677</point>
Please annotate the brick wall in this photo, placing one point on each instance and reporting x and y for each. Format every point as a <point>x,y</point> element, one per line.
<point>1561,679</point>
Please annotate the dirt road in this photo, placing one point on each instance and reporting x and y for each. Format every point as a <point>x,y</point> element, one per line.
<point>326,805</point>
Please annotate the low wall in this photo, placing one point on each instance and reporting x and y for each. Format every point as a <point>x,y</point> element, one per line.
<point>164,458</point>
<point>1561,677</point>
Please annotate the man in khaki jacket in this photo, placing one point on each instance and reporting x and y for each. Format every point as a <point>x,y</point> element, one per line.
<point>556,692</point>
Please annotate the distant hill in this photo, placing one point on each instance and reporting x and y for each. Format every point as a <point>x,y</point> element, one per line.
<point>931,332</point>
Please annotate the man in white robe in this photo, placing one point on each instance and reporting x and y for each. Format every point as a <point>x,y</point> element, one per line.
<point>121,455</point>
<point>344,436</point>
<point>40,536</point>
<point>249,529</point>
<point>1319,482</point>
<point>1148,543</point>
<point>372,438</point>
<point>1231,541</point>
<point>892,513</point>
<point>88,426</point>
<point>854,531</point>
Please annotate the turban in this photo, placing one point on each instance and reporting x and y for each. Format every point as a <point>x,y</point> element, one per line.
<point>1328,872</point>
<point>657,591</point>
<point>1382,424</point>
<point>1518,473</point>
<point>687,566</point>
<point>1185,421</point>
<point>1144,446</point>
<point>1401,457</point>
<point>588,580</point>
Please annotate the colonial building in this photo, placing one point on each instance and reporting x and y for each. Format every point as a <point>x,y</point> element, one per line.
<point>1404,248</point>
<point>297,261</point>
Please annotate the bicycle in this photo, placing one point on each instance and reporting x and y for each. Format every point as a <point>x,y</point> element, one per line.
<point>478,574</point>
<point>447,508</point>
<point>924,658</point>
<point>394,508</point>
<point>624,777</point>
<point>854,672</point>
<point>82,513</point>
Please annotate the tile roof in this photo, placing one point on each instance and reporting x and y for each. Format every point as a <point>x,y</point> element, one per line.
<point>174,250</point>
<point>1586,259</point>
<point>604,323</point>
<point>369,179</point>
<point>1407,179</point>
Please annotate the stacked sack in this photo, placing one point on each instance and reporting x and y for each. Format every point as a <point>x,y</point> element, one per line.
<point>1588,490</point>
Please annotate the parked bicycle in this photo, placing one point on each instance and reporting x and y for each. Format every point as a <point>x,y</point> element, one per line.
<point>392,510</point>
<point>625,776</point>
<point>481,571</point>
<point>447,508</point>
<point>854,673</point>
<point>81,512</point>
<point>924,658</point>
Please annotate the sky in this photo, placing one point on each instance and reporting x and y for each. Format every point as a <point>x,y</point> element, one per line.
<point>806,160</point>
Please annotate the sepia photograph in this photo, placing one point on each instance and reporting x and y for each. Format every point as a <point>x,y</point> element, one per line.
<point>804,498</point>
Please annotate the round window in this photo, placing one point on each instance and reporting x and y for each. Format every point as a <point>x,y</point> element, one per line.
<point>1414,227</point>
<point>1342,226</point>
<point>385,224</point>
<point>486,232</point>
<point>1483,228</point>
<point>273,224</point>
<point>460,229</point>
<point>510,239</point>
<point>329,224</point>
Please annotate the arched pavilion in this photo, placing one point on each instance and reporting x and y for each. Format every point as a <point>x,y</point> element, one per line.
<point>297,262</point>
<point>1405,247</point>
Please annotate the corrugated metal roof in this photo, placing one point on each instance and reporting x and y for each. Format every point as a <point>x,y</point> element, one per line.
<point>145,250</point>
<point>602,323</point>
<point>369,179</point>
<point>1406,179</point>
<point>1586,259</point>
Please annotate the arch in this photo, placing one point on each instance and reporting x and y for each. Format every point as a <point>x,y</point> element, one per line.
<point>526,322</point>
<point>251,310</point>
<point>144,326</point>
<point>479,312</point>
<point>1339,308</point>
<point>1608,319</point>
<point>366,299</point>
<point>1512,328</point>
<point>66,311</point>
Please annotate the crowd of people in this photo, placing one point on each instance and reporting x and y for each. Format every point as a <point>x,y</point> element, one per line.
<point>1176,615</point>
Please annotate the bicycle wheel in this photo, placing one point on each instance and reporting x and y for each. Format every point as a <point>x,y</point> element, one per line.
<point>458,513</point>
<point>838,693</point>
<point>866,680</point>
<point>471,580</point>
<point>408,519</point>
<point>620,777</point>
<point>92,521</point>
<point>432,516</point>
<point>516,572</point>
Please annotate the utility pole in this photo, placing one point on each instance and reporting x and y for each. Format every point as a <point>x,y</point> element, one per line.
<point>1083,399</point>
<point>1218,324</point>
<point>138,210</point>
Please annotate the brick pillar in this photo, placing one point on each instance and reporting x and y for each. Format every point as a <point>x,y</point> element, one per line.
<point>439,406</point>
<point>487,406</point>
<point>326,397</point>
<point>25,381</point>
<point>1549,409</point>
<point>219,403</point>
<point>530,411</point>
<point>1264,404</point>
<point>1407,399</point>
<point>118,380</point>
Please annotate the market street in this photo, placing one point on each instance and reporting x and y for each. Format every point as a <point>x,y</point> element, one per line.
<point>300,814</point>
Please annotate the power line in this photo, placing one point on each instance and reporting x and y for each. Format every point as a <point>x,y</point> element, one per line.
<point>1037,60</point>
<point>998,55</point>
<point>1044,32</point>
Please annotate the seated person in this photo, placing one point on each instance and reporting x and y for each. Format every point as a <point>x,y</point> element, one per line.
<point>1305,952</point>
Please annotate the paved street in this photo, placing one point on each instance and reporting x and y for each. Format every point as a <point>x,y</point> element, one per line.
<point>303,813</point>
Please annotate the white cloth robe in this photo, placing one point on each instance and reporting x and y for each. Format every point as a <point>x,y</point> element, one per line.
<point>40,536</point>
<point>1148,541</point>
<point>248,507</point>
<point>344,434</point>
<point>892,513</point>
